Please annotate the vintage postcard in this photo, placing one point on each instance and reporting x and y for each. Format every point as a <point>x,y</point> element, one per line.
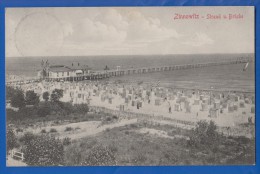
<point>130,86</point>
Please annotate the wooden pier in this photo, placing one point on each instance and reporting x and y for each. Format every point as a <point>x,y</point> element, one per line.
<point>144,70</point>
<point>98,75</point>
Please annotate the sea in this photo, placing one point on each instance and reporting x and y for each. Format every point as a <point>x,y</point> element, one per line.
<point>224,77</point>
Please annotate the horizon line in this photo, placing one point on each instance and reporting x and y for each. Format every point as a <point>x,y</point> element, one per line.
<point>124,55</point>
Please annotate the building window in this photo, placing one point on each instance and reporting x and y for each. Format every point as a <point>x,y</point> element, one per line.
<point>67,73</point>
<point>62,73</point>
<point>57,74</point>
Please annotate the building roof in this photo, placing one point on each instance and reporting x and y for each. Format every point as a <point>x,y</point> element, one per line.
<point>63,68</point>
<point>79,67</point>
<point>59,68</point>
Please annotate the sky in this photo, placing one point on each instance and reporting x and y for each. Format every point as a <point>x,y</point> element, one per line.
<point>126,31</point>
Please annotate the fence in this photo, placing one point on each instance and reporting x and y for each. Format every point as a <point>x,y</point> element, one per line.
<point>140,117</point>
<point>157,120</point>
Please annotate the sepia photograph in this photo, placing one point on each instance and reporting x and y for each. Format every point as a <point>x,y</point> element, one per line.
<point>130,86</point>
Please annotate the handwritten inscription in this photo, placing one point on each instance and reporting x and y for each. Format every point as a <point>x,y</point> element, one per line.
<point>178,16</point>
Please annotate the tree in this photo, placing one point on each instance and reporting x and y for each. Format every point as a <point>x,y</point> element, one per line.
<point>46,96</point>
<point>31,98</point>
<point>56,95</point>
<point>17,99</point>
<point>43,151</point>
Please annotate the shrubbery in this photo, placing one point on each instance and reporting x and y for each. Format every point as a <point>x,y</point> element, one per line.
<point>81,108</point>
<point>44,110</point>
<point>31,98</point>
<point>204,134</point>
<point>17,99</point>
<point>28,136</point>
<point>46,96</point>
<point>43,131</point>
<point>56,95</point>
<point>67,129</point>
<point>9,92</point>
<point>100,156</point>
<point>90,153</point>
<point>53,110</point>
<point>11,140</point>
<point>52,130</point>
<point>66,141</point>
<point>43,151</point>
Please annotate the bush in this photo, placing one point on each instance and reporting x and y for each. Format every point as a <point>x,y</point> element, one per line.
<point>9,91</point>
<point>74,154</point>
<point>17,99</point>
<point>46,96</point>
<point>43,151</point>
<point>115,117</point>
<point>53,130</point>
<point>66,141</point>
<point>67,107</point>
<point>44,110</point>
<point>113,148</point>
<point>100,156</point>
<point>68,129</point>
<point>11,140</point>
<point>20,116</point>
<point>56,95</point>
<point>108,119</point>
<point>139,159</point>
<point>133,125</point>
<point>28,136</point>
<point>204,134</point>
<point>19,130</point>
<point>43,131</point>
<point>81,108</point>
<point>31,98</point>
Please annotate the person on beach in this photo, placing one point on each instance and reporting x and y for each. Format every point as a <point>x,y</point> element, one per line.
<point>250,120</point>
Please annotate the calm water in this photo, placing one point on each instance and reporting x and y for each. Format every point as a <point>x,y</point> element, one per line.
<point>226,76</point>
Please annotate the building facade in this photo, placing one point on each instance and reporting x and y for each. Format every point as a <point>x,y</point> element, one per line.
<point>74,72</point>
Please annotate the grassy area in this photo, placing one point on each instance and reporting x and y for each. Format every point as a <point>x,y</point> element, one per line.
<point>18,118</point>
<point>133,148</point>
<point>57,115</point>
<point>139,143</point>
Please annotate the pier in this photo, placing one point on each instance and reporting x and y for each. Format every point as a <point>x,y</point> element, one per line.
<point>103,74</point>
